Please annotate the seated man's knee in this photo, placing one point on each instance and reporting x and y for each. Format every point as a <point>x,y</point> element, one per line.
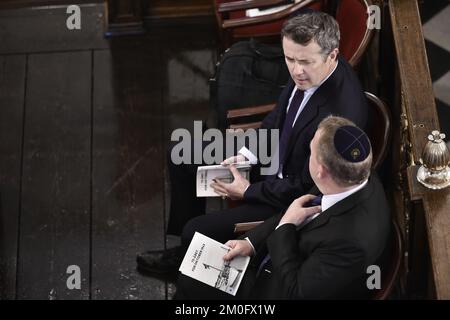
<point>209,225</point>
<point>202,224</point>
<point>189,230</point>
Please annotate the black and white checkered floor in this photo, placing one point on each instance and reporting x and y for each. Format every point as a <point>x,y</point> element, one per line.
<point>436,28</point>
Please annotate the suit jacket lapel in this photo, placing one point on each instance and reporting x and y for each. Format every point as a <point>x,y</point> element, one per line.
<point>306,116</point>
<point>284,102</point>
<point>340,207</point>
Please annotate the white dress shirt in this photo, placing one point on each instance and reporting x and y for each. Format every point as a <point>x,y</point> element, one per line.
<point>329,200</point>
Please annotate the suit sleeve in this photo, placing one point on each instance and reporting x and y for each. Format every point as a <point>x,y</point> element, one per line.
<point>270,121</point>
<point>280,193</point>
<point>323,274</point>
<point>259,234</point>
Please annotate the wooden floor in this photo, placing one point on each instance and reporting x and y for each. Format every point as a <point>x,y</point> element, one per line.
<point>84,124</point>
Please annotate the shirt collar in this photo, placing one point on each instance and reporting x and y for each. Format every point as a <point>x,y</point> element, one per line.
<point>330,200</point>
<point>311,90</point>
<point>332,71</point>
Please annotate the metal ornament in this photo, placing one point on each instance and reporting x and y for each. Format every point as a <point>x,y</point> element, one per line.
<point>434,173</point>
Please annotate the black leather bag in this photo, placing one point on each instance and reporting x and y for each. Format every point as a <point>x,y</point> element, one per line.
<point>248,74</point>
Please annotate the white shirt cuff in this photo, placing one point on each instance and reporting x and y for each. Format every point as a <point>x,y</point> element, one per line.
<point>248,240</point>
<point>281,224</point>
<point>249,155</point>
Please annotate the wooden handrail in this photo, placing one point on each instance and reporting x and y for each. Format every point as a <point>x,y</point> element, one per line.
<point>245,226</point>
<point>413,64</point>
<point>250,111</point>
<point>419,103</point>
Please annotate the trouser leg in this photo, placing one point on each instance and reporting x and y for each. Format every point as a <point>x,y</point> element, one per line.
<point>220,225</point>
<point>184,204</point>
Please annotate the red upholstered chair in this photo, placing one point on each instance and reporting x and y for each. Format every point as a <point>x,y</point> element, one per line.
<point>391,271</point>
<point>235,26</point>
<point>351,14</point>
<point>352,17</point>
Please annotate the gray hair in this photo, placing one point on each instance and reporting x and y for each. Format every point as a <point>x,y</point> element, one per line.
<point>315,25</point>
<point>343,172</point>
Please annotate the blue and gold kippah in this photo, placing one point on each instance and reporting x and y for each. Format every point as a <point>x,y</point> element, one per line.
<point>352,143</point>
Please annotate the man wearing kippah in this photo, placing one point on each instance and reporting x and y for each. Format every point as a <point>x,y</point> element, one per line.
<point>317,250</point>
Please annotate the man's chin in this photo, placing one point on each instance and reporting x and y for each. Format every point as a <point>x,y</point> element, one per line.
<point>303,85</point>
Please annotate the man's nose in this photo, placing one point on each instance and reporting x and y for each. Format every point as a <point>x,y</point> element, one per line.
<point>298,69</point>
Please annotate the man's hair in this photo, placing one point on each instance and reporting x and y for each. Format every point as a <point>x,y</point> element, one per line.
<point>343,172</point>
<point>315,25</point>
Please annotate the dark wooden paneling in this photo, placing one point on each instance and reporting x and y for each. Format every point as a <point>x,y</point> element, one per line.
<point>159,9</point>
<point>142,88</point>
<point>128,171</point>
<point>12,85</point>
<point>125,17</point>
<point>14,4</point>
<point>43,29</point>
<point>56,176</point>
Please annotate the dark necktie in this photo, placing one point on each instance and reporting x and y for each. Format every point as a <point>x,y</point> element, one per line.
<point>315,202</point>
<point>288,123</point>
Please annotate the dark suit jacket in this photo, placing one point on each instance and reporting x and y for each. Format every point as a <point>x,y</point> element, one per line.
<point>341,94</point>
<point>328,257</point>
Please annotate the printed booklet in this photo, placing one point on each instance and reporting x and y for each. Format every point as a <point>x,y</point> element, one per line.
<point>206,174</point>
<point>204,261</point>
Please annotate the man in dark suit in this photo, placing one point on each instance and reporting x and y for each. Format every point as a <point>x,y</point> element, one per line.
<point>317,251</point>
<point>322,83</point>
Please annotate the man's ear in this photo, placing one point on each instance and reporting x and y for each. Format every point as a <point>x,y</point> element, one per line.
<point>322,171</point>
<point>333,55</point>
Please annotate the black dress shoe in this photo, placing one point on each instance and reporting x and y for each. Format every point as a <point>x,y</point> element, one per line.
<point>160,262</point>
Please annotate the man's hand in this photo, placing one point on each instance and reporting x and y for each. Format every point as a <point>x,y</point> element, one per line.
<point>234,159</point>
<point>297,213</point>
<point>234,190</point>
<point>238,248</point>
